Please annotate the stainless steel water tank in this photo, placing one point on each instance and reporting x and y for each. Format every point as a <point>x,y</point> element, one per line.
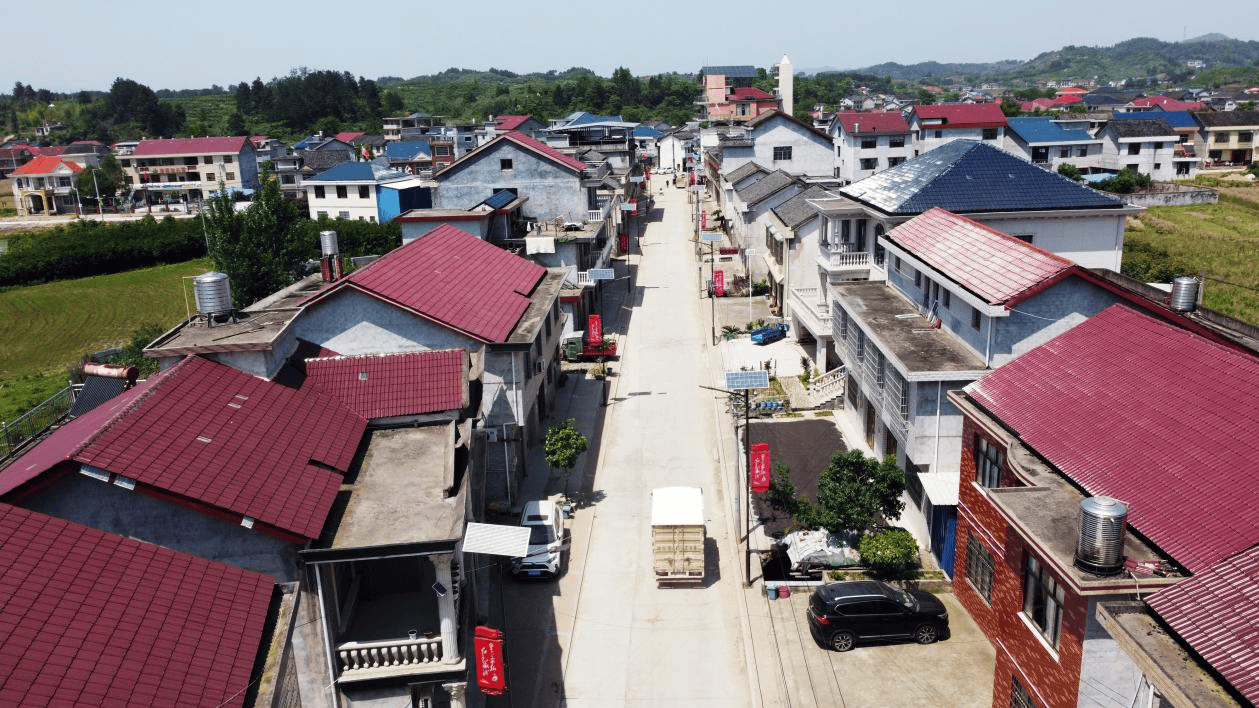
<point>213,293</point>
<point>1099,549</point>
<point>1185,294</point>
<point>328,243</point>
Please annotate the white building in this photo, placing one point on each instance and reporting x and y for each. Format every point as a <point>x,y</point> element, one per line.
<point>938,124</point>
<point>780,142</point>
<point>866,143</point>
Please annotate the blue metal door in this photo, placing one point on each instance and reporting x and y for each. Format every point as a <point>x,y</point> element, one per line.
<point>944,536</point>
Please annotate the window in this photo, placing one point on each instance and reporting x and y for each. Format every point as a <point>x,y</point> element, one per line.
<point>342,191</point>
<point>990,134</point>
<point>1019,697</point>
<point>869,163</point>
<point>1222,137</point>
<point>898,264</point>
<point>343,215</point>
<point>364,192</point>
<point>287,179</point>
<point>917,279</point>
<point>988,462</point>
<point>504,164</point>
<point>894,161</point>
<point>63,181</point>
<point>979,567</point>
<point>1158,165</point>
<point>1158,146</point>
<point>319,193</point>
<point>1133,167</point>
<point>1064,152</point>
<point>1082,152</point>
<point>782,152</point>
<point>1025,238</point>
<point>1245,136</point>
<point>441,151</point>
<point>974,318</point>
<point>939,134</point>
<point>1042,600</point>
<point>947,297</point>
<point>229,176</point>
<point>321,215</point>
<point>896,142</point>
<point>1134,148</point>
<point>208,160</point>
<point>869,143</point>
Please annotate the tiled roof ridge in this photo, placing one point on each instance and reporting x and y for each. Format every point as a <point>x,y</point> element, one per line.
<point>540,147</point>
<point>1012,239</point>
<point>151,387</point>
<point>382,355</point>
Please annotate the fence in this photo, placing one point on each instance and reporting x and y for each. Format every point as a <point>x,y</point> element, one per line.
<point>35,421</point>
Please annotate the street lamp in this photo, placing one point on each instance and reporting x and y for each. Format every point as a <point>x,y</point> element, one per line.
<point>96,188</point>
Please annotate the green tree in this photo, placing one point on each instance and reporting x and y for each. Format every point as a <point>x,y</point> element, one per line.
<point>1069,171</point>
<point>563,443</point>
<point>133,353</point>
<point>105,180</point>
<point>852,493</point>
<point>236,125</point>
<point>1011,107</point>
<point>260,249</point>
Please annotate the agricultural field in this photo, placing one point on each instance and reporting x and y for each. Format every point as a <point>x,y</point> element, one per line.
<point>44,329</point>
<point>1220,241</point>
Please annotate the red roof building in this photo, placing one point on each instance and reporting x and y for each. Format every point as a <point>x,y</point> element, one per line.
<point>872,122</point>
<point>89,618</point>
<point>938,124</point>
<point>191,168</point>
<point>394,385</point>
<point>210,438</point>
<point>1123,406</point>
<point>1168,104</point>
<point>45,185</point>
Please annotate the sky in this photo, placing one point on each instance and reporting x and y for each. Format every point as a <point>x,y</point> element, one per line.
<point>197,45</point>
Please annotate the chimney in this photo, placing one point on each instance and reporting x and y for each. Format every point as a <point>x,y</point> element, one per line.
<point>786,85</point>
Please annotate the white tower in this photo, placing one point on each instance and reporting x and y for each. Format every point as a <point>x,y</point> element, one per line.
<point>786,77</point>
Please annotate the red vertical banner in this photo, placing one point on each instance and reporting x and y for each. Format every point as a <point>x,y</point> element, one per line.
<point>719,283</point>
<point>594,329</point>
<point>622,242</point>
<point>703,219</point>
<point>487,646</point>
<point>758,476</point>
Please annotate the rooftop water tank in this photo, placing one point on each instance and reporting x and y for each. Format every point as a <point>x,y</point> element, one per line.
<point>328,243</point>
<point>1184,294</point>
<point>213,293</point>
<point>1100,546</point>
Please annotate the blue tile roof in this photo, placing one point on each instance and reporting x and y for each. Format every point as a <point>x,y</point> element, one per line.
<point>646,131</point>
<point>585,118</point>
<point>500,199</point>
<point>358,172</point>
<point>408,150</point>
<point>1176,119</point>
<point>1045,130</point>
<point>968,176</point>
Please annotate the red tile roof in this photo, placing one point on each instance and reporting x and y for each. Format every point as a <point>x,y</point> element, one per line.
<point>50,151</point>
<point>539,146</point>
<point>1140,410</point>
<point>872,122</point>
<point>1169,104</point>
<point>45,165</point>
<point>1217,613</point>
<point>997,267</point>
<point>384,385</point>
<point>88,618</point>
<point>190,146</point>
<point>453,278</point>
<point>964,115</point>
<point>349,135</point>
<point>750,93</point>
<point>218,436</point>
<point>510,122</point>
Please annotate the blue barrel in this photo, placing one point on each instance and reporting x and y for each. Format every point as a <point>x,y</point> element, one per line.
<point>771,591</point>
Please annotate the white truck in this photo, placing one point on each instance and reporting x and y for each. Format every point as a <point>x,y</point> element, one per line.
<point>677,534</point>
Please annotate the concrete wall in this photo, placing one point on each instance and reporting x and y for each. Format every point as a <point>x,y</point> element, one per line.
<point>1093,241</point>
<point>355,323</point>
<point>925,140</point>
<point>851,154</point>
<point>1165,194</point>
<point>111,508</point>
<point>1107,674</point>
<point>1046,315</point>
<point>412,230</point>
<point>351,207</point>
<point>811,154</point>
<point>552,190</point>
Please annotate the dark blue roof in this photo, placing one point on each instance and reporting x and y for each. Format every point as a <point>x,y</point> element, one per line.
<point>407,150</point>
<point>357,172</point>
<point>1045,130</point>
<point>585,118</point>
<point>646,131</point>
<point>500,199</point>
<point>734,72</point>
<point>968,176</point>
<point>1176,119</point>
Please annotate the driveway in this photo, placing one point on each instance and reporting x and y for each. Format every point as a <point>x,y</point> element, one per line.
<point>956,672</point>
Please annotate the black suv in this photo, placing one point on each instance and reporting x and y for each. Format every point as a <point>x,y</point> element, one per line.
<point>842,613</point>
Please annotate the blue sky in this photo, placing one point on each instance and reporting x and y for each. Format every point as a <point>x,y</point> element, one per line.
<point>195,45</point>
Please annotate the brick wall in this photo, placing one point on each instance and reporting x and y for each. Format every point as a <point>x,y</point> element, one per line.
<point>1051,680</point>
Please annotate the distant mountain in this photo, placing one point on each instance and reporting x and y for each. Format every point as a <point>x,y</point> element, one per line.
<point>1135,58</point>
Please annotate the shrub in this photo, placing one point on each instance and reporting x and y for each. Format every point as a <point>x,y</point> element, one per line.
<point>888,549</point>
<point>1126,182</point>
<point>1069,171</point>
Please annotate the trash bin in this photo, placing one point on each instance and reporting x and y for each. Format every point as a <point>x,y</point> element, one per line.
<point>784,591</point>
<point>771,591</point>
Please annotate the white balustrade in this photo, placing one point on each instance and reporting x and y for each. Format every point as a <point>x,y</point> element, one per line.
<point>363,656</point>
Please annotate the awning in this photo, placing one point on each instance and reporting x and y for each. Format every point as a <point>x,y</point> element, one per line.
<point>496,539</point>
<point>941,487</point>
<point>405,184</point>
<point>539,244</point>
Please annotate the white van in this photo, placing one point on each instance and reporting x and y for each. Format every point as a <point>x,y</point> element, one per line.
<point>546,541</point>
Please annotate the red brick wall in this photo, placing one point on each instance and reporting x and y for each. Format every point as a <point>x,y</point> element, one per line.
<point>1052,682</point>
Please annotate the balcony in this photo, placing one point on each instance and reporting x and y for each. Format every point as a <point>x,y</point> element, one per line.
<point>362,661</point>
<point>839,262</point>
<point>807,311</point>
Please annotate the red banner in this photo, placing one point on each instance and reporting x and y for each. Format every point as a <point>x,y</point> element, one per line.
<point>759,476</point>
<point>719,283</point>
<point>487,647</point>
<point>594,329</point>
<point>703,219</point>
<point>622,242</point>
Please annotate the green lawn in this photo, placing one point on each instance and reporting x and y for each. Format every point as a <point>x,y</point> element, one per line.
<point>1219,240</point>
<point>46,328</point>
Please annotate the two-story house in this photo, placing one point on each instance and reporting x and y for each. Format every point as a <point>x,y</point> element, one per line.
<point>866,143</point>
<point>414,157</point>
<point>779,141</point>
<point>1082,494</point>
<point>750,205</point>
<point>1048,142</point>
<point>939,124</point>
<point>1229,137</point>
<point>612,137</point>
<point>717,84</point>
<point>45,185</point>
<point>1146,146</point>
<point>364,191</point>
<point>189,169</point>
<point>1189,152</point>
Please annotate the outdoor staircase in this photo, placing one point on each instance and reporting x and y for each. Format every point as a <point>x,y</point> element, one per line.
<point>826,388</point>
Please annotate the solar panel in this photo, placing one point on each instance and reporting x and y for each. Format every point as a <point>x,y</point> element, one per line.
<point>712,236</point>
<point>736,380</point>
<point>601,274</point>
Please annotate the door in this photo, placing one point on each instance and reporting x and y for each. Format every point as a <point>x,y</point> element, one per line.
<point>944,536</point>
<point>870,424</point>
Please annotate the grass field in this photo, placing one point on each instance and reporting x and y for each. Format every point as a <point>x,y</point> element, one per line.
<point>1219,240</point>
<point>46,328</point>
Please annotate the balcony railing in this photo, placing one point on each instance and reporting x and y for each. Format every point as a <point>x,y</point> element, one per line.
<point>839,260</point>
<point>827,387</point>
<point>814,315</point>
<point>397,657</point>
<point>594,215</point>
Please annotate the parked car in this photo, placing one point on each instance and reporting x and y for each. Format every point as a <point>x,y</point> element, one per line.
<point>769,333</point>
<point>546,541</point>
<point>841,614</point>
